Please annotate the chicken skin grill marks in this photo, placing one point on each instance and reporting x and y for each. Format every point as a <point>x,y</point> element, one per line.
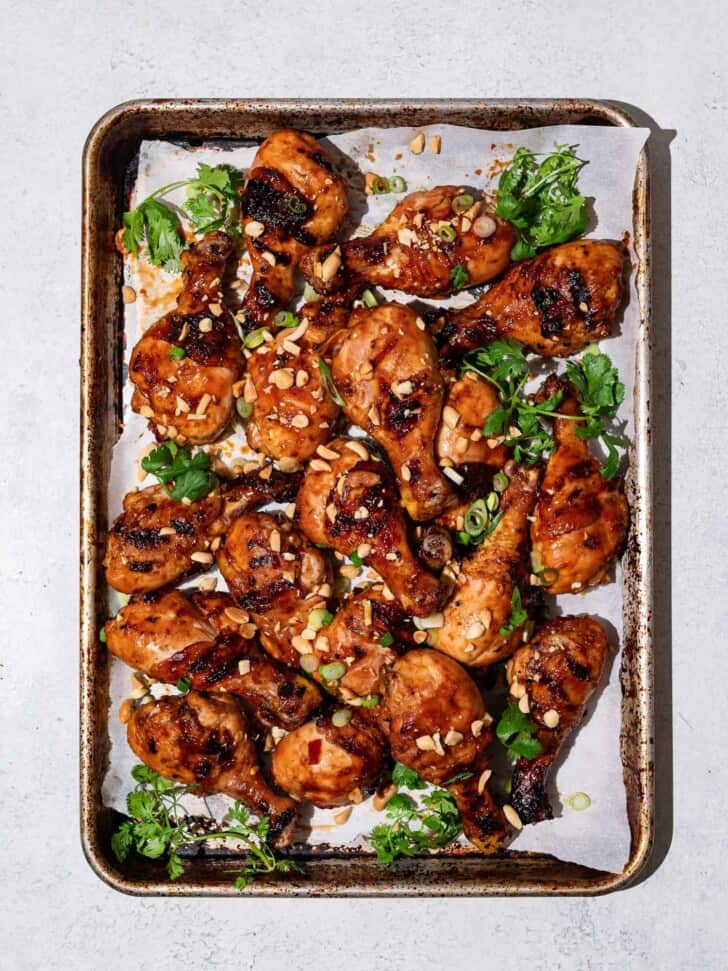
<point>554,304</point>
<point>552,677</point>
<point>293,199</point>
<point>208,640</point>
<point>386,370</point>
<point>184,367</point>
<point>206,742</point>
<point>349,502</point>
<point>418,249</point>
<point>580,519</point>
<point>279,577</point>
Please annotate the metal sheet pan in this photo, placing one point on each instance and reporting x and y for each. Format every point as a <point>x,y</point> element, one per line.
<point>111,146</point>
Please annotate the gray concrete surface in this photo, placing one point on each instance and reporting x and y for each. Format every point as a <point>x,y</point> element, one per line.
<point>61,65</point>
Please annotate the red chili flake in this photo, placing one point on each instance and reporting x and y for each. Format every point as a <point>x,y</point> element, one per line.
<point>314,751</point>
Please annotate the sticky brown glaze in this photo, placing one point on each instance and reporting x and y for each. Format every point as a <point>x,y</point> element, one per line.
<point>293,199</point>
<point>581,518</point>
<point>152,542</point>
<point>386,369</point>
<point>557,672</point>
<point>460,440</point>
<point>351,503</point>
<point>205,741</point>
<point>554,304</point>
<point>484,824</point>
<point>207,639</point>
<point>191,400</point>
<point>407,253</point>
<point>481,602</point>
<point>329,766</point>
<point>252,489</point>
<point>278,576</point>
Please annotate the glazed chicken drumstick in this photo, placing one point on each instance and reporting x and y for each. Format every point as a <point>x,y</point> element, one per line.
<point>424,247</point>
<point>350,503</point>
<point>553,677</point>
<point>581,518</point>
<point>208,640</point>
<point>205,742</point>
<point>554,304</point>
<point>293,199</point>
<point>184,367</point>
<point>385,367</point>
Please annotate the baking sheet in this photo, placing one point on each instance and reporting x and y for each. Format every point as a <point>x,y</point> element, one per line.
<point>598,837</point>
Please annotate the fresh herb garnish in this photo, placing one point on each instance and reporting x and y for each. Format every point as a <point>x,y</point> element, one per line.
<point>328,381</point>
<point>159,827</point>
<point>356,559</point>
<point>480,520</point>
<point>518,614</point>
<point>517,731</point>
<point>386,640</point>
<point>459,276</point>
<point>184,685</point>
<point>405,778</point>
<point>212,202</point>
<point>177,353</point>
<point>600,394</point>
<point>190,473</point>
<point>541,200</point>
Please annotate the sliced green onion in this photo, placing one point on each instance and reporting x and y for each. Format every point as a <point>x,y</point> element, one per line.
<point>183,685</point>
<point>368,299</point>
<point>124,598</point>
<point>177,353</point>
<point>254,339</point>
<point>386,639</point>
<point>356,559</point>
<point>476,518</point>
<point>341,717</point>
<point>370,701</point>
<point>331,390</point>
<point>284,318</point>
<point>462,202</point>
<point>309,294</point>
<point>102,635</point>
<point>297,206</point>
<point>380,185</point>
<point>459,276</point>
<point>492,501</point>
<point>309,663</point>
<point>320,617</point>
<point>333,671</point>
<point>579,801</point>
<point>243,408</point>
<point>493,524</point>
<point>548,576</point>
<point>447,233</point>
<point>397,184</point>
<point>500,482</point>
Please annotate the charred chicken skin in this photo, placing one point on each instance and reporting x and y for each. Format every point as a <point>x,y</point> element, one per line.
<point>581,519</point>
<point>349,502</point>
<point>208,640</point>
<point>481,602</point>
<point>188,395</point>
<point>554,304</point>
<point>293,199</point>
<point>556,673</point>
<point>278,576</point>
<point>436,723</point>
<point>205,741</point>
<point>386,370</point>
<point>420,248</point>
<point>329,765</point>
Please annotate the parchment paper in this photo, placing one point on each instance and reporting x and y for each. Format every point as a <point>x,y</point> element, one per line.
<point>598,837</point>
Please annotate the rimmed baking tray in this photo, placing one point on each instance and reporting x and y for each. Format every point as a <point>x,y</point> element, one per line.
<point>111,146</point>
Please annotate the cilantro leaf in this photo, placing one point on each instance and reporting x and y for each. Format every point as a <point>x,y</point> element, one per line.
<point>517,731</point>
<point>191,474</point>
<point>600,393</point>
<point>158,226</point>
<point>416,829</point>
<point>406,778</point>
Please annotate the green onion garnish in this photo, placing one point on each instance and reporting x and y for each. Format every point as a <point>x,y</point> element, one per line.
<point>320,617</point>
<point>309,663</point>
<point>309,294</point>
<point>333,671</point>
<point>548,576</point>
<point>462,203</point>
<point>500,482</point>
<point>579,802</point>
<point>356,559</point>
<point>284,318</point>
<point>459,276</point>
<point>492,501</point>
<point>341,717</point>
<point>254,339</point>
<point>397,184</point>
<point>177,353</point>
<point>386,639</point>
<point>380,185</point>
<point>297,206</point>
<point>370,701</point>
<point>183,685</point>
<point>243,408</point>
<point>102,635</point>
<point>446,232</point>
<point>331,390</point>
<point>368,299</point>
<point>476,518</point>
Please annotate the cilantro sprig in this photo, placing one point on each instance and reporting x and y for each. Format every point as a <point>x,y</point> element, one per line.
<point>211,202</point>
<point>191,474</point>
<point>415,827</point>
<point>517,732</point>
<point>541,199</point>
<point>600,394</point>
<point>159,827</point>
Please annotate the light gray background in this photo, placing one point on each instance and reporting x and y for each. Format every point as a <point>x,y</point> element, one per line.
<point>61,66</point>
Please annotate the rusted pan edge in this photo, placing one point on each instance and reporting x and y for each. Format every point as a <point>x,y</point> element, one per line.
<point>111,145</point>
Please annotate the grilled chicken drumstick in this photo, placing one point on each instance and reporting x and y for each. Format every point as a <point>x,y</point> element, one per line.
<point>554,304</point>
<point>205,741</point>
<point>460,440</point>
<point>556,672</point>
<point>293,199</point>
<point>423,247</point>
<point>349,502</point>
<point>208,640</point>
<point>482,601</point>
<point>184,367</point>
<point>581,519</point>
<point>385,367</point>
